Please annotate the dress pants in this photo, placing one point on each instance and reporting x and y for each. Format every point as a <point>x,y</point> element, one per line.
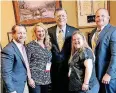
<point>39,89</point>
<point>111,87</point>
<point>59,77</point>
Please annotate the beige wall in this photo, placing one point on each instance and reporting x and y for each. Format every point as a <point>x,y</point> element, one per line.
<point>8,20</point>
<point>113,13</point>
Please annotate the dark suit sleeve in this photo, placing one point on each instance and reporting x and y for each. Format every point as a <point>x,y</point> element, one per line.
<point>7,62</point>
<point>112,66</point>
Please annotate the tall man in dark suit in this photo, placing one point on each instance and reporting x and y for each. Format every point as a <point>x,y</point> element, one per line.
<point>61,51</point>
<point>14,63</point>
<point>105,51</point>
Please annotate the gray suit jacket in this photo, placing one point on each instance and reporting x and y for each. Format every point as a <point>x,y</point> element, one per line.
<point>105,52</point>
<point>13,68</point>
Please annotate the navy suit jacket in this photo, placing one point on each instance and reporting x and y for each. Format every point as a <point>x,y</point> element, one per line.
<point>13,68</point>
<point>105,51</point>
<point>64,54</point>
<point>61,57</point>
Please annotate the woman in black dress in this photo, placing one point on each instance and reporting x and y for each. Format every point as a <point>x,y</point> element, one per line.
<point>82,67</point>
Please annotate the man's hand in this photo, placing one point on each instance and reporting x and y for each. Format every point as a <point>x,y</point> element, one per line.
<point>106,79</point>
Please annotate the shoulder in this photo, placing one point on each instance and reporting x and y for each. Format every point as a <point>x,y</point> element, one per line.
<point>71,27</point>
<point>113,35</point>
<point>111,30</point>
<point>88,53</point>
<point>8,49</point>
<point>30,44</point>
<point>51,29</point>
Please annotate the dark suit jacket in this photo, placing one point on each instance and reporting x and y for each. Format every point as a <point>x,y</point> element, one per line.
<point>105,52</point>
<point>64,55</point>
<point>13,68</point>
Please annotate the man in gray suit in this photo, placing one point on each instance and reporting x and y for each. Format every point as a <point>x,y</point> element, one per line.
<point>105,51</point>
<point>14,63</point>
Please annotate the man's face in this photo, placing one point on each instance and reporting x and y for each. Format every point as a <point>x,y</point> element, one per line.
<point>102,17</point>
<point>20,34</point>
<point>61,18</point>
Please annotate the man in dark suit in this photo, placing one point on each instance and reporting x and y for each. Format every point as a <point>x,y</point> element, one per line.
<point>61,55</point>
<point>13,63</point>
<point>105,51</point>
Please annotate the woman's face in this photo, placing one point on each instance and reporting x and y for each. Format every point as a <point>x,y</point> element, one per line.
<point>77,41</point>
<point>40,33</point>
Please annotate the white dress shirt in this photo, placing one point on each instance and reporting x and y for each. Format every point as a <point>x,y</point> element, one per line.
<point>63,29</point>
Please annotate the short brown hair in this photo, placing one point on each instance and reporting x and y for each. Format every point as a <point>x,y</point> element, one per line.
<point>59,9</point>
<point>13,28</point>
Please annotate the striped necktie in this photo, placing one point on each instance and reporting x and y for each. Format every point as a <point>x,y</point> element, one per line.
<point>95,39</point>
<point>60,39</point>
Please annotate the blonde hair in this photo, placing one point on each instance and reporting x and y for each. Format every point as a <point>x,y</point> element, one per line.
<point>47,37</point>
<point>85,45</point>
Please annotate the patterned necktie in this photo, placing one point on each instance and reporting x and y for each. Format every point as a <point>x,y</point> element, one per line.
<point>96,36</point>
<point>60,39</point>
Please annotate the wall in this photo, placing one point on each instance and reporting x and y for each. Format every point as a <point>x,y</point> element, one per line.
<point>113,12</point>
<point>8,20</point>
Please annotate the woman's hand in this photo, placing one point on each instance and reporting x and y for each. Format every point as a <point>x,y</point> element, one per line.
<point>31,83</point>
<point>85,87</point>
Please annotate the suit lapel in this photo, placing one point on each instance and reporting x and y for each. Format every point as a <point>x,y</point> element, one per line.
<point>54,34</point>
<point>55,38</point>
<point>67,33</point>
<point>102,33</point>
<point>17,51</point>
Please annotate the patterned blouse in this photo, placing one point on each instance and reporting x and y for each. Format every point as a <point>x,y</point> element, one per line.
<point>38,58</point>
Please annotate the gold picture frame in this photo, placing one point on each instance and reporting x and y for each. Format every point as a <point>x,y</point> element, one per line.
<point>31,12</point>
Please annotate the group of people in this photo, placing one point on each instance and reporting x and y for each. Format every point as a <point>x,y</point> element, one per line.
<point>62,57</point>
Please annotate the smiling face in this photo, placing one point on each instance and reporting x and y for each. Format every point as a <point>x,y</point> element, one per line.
<point>61,18</point>
<point>40,33</point>
<point>102,17</point>
<point>20,34</point>
<point>77,41</point>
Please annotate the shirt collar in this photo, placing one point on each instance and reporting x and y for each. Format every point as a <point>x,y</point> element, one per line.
<point>63,29</point>
<point>19,45</point>
<point>101,28</point>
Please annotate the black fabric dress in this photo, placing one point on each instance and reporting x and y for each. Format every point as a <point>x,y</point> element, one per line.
<point>78,70</point>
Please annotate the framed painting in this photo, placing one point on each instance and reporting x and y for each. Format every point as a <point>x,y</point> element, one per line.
<point>86,12</point>
<point>31,12</point>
